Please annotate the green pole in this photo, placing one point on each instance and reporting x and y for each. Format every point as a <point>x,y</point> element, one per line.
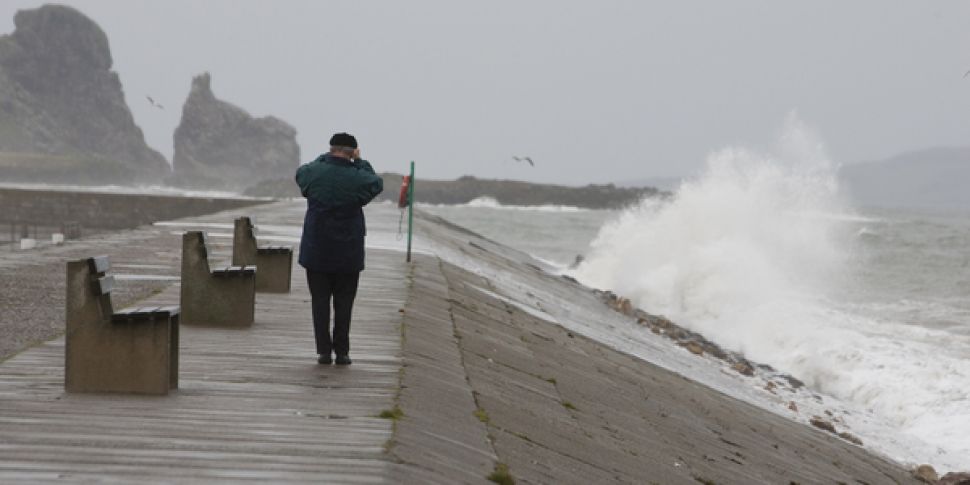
<point>410,210</point>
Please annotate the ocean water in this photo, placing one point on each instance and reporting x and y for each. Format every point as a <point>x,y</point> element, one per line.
<point>764,254</point>
<point>554,234</point>
<point>124,189</point>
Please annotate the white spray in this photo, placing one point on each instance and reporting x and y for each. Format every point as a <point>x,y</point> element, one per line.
<point>753,254</point>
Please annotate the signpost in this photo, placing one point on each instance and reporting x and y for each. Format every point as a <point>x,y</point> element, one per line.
<point>410,210</point>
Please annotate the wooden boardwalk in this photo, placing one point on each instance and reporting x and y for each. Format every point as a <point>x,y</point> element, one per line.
<point>252,404</point>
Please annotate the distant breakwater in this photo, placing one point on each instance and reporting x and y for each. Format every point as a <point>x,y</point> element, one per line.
<point>507,192</point>
<point>105,210</point>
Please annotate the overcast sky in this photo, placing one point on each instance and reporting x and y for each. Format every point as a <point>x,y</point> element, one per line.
<point>593,91</point>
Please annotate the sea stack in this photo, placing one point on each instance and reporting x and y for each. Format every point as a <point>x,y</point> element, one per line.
<point>219,145</point>
<point>63,115</point>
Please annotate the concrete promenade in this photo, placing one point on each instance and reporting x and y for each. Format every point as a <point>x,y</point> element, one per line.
<point>483,382</point>
<point>252,404</point>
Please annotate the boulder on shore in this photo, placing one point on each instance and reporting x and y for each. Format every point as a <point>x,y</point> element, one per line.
<point>63,115</point>
<point>219,145</point>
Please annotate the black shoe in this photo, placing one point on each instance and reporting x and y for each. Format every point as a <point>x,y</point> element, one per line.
<point>325,359</point>
<point>344,360</point>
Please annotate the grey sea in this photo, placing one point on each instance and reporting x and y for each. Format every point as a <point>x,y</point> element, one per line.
<point>871,306</point>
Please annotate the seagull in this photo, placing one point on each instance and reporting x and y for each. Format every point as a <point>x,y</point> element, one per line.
<point>524,159</point>
<point>153,103</point>
<point>967,74</point>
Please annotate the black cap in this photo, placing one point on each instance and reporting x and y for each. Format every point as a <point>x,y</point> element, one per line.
<point>343,140</point>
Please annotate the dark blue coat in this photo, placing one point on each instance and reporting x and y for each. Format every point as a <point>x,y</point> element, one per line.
<point>336,190</point>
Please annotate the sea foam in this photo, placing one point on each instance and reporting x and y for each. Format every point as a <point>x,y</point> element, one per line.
<point>755,254</point>
<point>164,190</point>
<point>486,202</point>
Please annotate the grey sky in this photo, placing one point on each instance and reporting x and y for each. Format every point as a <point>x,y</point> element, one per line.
<point>592,91</point>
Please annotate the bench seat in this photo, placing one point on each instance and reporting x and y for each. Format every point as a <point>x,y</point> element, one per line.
<point>133,351</point>
<point>148,313</point>
<point>274,263</point>
<point>223,296</point>
<point>273,249</point>
<point>234,271</point>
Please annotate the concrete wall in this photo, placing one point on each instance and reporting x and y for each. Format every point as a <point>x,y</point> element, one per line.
<point>104,210</point>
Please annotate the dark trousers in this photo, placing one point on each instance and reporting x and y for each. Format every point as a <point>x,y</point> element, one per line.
<point>341,288</point>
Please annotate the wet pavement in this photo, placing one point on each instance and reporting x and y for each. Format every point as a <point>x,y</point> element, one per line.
<point>251,404</point>
<point>471,384</point>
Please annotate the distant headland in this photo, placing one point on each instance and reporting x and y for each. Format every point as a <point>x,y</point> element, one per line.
<point>507,192</point>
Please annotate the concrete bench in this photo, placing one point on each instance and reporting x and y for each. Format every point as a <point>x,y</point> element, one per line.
<point>132,351</point>
<point>274,264</point>
<point>222,297</point>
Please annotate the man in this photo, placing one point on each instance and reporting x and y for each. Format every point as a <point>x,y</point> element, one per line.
<point>337,185</point>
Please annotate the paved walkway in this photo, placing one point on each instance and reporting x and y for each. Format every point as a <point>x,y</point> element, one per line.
<point>252,404</point>
<point>487,382</point>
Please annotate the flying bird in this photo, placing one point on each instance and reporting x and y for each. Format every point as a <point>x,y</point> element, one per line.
<point>966,74</point>
<point>153,103</point>
<point>524,159</point>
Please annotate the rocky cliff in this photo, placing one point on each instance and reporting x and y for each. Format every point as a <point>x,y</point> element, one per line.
<point>219,145</point>
<point>62,109</point>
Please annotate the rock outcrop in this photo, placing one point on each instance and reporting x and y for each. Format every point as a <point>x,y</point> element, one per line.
<point>955,478</point>
<point>219,145</point>
<point>62,109</point>
<point>925,474</point>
